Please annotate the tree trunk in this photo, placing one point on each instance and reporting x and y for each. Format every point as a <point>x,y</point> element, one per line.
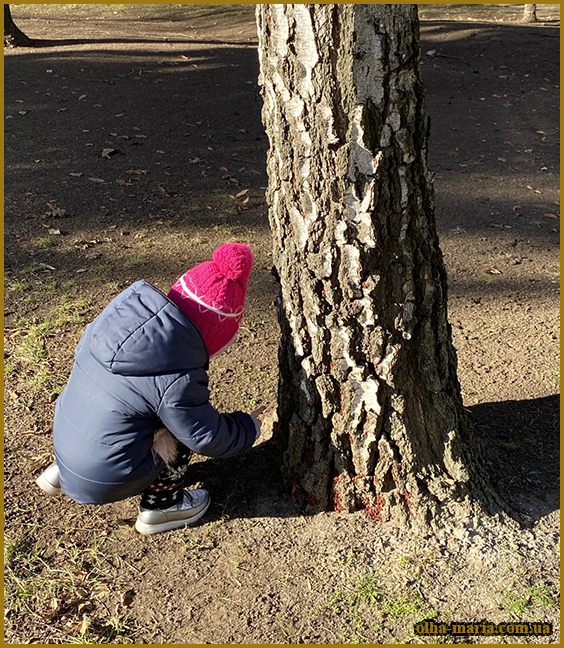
<point>530,14</point>
<point>370,413</point>
<point>13,36</point>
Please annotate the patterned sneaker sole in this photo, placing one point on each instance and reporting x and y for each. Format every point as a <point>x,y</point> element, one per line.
<point>149,529</point>
<point>47,486</point>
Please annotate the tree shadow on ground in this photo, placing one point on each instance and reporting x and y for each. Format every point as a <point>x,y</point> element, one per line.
<point>521,448</point>
<point>67,42</point>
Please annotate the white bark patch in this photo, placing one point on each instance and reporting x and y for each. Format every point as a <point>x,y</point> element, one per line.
<point>367,317</point>
<point>281,30</point>
<point>351,269</point>
<point>306,49</point>
<point>294,326</point>
<point>367,395</point>
<point>295,323</point>
<point>279,86</point>
<point>341,341</point>
<point>340,229</point>
<point>294,106</point>
<point>362,160</point>
<point>299,225</point>
<point>359,212</point>
<point>386,366</point>
<point>327,118</point>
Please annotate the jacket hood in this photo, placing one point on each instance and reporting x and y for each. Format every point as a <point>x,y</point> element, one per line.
<point>141,332</point>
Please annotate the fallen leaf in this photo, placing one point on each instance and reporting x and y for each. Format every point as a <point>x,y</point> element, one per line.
<point>137,172</point>
<point>195,160</point>
<point>162,152</point>
<point>126,597</point>
<point>494,271</point>
<point>111,152</point>
<point>22,112</point>
<point>500,225</point>
<point>55,211</point>
<point>76,175</point>
<point>164,192</point>
<point>531,188</point>
<point>241,193</point>
<point>82,97</point>
<point>120,115</point>
<point>123,183</point>
<point>54,230</point>
<point>85,606</point>
<point>80,270</point>
<point>541,132</point>
<point>81,627</point>
<point>54,608</point>
<point>96,180</point>
<point>551,215</point>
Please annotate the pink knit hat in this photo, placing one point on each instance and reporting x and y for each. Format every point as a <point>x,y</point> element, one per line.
<point>212,294</point>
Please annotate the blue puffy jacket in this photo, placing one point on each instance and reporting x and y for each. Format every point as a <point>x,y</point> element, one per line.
<point>140,364</point>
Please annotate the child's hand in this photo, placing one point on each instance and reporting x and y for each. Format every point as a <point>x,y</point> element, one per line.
<point>259,410</point>
<point>258,423</point>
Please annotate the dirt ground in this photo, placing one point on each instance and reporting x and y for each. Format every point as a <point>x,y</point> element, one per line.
<point>172,91</point>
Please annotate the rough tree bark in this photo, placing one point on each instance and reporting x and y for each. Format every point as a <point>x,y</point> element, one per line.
<point>13,35</point>
<point>370,412</point>
<point>530,14</point>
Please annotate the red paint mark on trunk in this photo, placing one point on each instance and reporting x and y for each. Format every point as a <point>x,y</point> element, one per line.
<point>374,512</point>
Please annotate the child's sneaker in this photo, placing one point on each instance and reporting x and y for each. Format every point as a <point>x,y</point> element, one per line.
<point>193,506</point>
<point>49,480</point>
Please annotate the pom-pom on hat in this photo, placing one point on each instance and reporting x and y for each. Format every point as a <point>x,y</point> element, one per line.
<point>212,294</point>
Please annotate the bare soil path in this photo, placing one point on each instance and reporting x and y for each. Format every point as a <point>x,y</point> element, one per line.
<point>133,147</point>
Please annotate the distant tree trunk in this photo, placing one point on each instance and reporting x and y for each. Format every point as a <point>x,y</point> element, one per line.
<point>530,13</point>
<point>370,412</point>
<point>13,35</point>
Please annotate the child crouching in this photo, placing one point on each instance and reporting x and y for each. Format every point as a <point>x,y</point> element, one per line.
<point>139,366</point>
